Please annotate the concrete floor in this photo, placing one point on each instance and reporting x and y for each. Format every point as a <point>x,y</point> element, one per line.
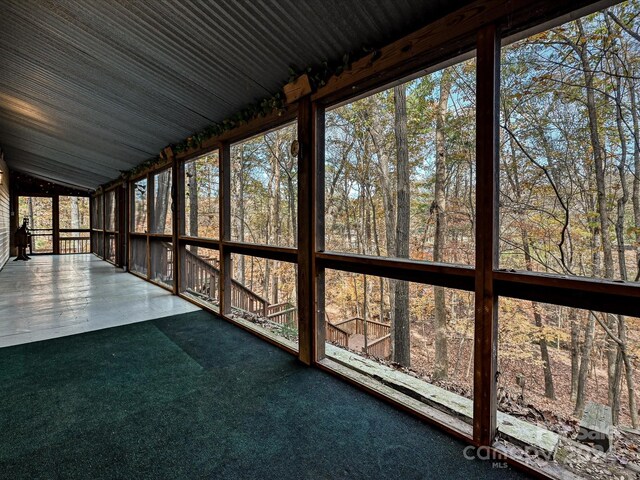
<point>57,295</point>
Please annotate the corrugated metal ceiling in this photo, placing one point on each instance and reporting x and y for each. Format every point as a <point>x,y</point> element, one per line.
<point>92,87</point>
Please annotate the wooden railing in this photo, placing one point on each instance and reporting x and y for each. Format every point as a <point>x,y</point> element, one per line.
<point>162,268</point>
<point>355,325</point>
<point>381,347</point>
<point>283,313</point>
<point>247,300</point>
<point>75,245</point>
<point>337,335</point>
<point>40,240</point>
<point>203,278</point>
<point>378,335</point>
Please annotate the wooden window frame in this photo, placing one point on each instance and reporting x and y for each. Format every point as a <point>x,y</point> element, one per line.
<point>224,245</point>
<point>479,28</point>
<point>149,237</point>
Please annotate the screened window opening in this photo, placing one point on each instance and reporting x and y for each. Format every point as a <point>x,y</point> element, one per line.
<point>201,197</point>
<point>264,296</point>
<point>264,189</point>
<point>201,275</point>
<point>161,216</point>
<point>393,328</point>
<point>400,170</point>
<point>139,208</point>
<point>74,224</point>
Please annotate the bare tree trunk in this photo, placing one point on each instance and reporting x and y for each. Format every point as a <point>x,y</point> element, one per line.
<point>598,160</point>
<point>276,220</point>
<point>621,341</point>
<point>191,173</point>
<point>31,222</point>
<point>619,228</point>
<point>635,196</point>
<point>75,214</point>
<point>587,344</point>
<point>584,365</point>
<point>629,373</point>
<point>401,331</point>
<point>441,367</point>
<point>161,205</point>
<point>549,391</point>
<point>575,354</point>
<point>241,261</point>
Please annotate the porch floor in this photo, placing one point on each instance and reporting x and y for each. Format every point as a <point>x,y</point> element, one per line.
<point>57,295</point>
<point>193,396</point>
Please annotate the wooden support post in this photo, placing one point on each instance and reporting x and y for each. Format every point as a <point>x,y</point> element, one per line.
<point>123,225</point>
<point>487,145</point>
<point>225,228</point>
<point>306,280</point>
<point>55,217</point>
<point>319,233</point>
<point>91,223</point>
<point>131,205</point>
<point>14,223</point>
<point>150,217</point>
<point>105,242</point>
<point>176,213</point>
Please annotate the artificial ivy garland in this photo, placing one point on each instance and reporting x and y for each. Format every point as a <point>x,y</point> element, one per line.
<point>318,77</point>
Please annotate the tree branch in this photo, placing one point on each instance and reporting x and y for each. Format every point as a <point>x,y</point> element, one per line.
<point>565,225</point>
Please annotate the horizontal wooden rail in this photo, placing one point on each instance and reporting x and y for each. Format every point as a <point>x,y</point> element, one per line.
<point>452,276</point>
<point>200,242</point>
<point>580,292</point>
<point>287,316</point>
<point>278,307</point>
<point>285,254</point>
<point>380,348</point>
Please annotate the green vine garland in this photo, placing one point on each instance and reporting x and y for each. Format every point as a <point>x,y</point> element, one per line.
<point>318,76</point>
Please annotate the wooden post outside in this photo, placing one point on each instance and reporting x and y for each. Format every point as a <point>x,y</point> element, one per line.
<point>224,158</point>
<point>487,145</point>
<point>55,217</point>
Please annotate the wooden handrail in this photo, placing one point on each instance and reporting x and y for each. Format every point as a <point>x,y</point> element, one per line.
<point>282,312</point>
<point>264,303</point>
<point>279,305</point>
<point>362,319</point>
<point>337,335</point>
<point>380,348</point>
<point>379,340</point>
<point>336,327</point>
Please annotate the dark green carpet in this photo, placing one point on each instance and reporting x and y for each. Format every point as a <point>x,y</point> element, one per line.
<point>193,396</point>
